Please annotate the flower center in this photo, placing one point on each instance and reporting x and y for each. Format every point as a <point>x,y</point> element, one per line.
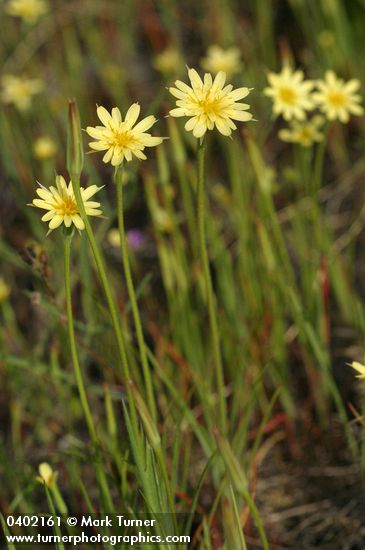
<point>209,106</point>
<point>68,207</point>
<point>305,134</point>
<point>287,95</point>
<point>22,90</point>
<point>337,99</point>
<point>123,139</point>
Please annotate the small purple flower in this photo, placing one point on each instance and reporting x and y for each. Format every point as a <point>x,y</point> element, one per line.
<point>135,238</point>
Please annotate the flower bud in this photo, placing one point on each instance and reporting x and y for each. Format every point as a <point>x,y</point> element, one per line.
<point>46,475</point>
<point>75,152</point>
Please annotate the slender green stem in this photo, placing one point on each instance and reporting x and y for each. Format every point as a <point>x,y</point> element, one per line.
<point>80,383</point>
<point>109,297</point>
<point>209,289</point>
<point>319,161</point>
<point>238,519</point>
<point>165,475</point>
<point>315,212</point>
<point>72,341</point>
<point>60,503</point>
<point>132,297</point>
<point>256,516</point>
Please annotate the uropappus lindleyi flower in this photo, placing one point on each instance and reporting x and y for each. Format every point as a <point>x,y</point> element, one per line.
<point>28,10</point>
<point>61,204</point>
<point>304,132</point>
<point>290,93</point>
<point>359,367</point>
<point>20,90</point>
<point>218,59</point>
<point>209,104</point>
<point>122,139</point>
<point>338,99</point>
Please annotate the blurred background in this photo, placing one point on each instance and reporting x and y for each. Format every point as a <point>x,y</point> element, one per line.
<point>289,283</point>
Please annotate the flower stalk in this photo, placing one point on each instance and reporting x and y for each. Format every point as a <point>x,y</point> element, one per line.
<point>68,234</point>
<point>209,289</point>
<point>132,295</point>
<point>48,478</point>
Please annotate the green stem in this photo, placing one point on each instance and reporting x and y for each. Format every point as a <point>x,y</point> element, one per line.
<point>209,289</point>
<point>132,297</point>
<point>60,503</point>
<point>256,516</point>
<point>75,178</point>
<point>80,382</point>
<point>72,341</point>
<point>319,161</point>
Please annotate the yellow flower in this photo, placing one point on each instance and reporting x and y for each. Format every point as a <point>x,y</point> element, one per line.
<point>168,61</point>
<point>218,59</point>
<point>121,139</point>
<point>359,367</point>
<point>114,237</point>
<point>62,206</point>
<point>305,133</point>
<point>46,475</point>
<point>44,148</point>
<point>20,90</point>
<point>4,290</point>
<point>290,93</point>
<point>163,220</point>
<point>337,99</point>
<point>28,10</point>
<point>209,104</point>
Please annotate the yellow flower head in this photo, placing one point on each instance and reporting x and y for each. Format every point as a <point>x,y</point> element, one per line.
<point>114,237</point>
<point>44,148</point>
<point>19,90</point>
<point>360,368</point>
<point>218,59</point>
<point>121,139</point>
<point>290,93</point>
<point>4,290</point>
<point>62,206</point>
<point>337,99</point>
<point>209,103</point>
<point>28,10</point>
<point>46,475</point>
<point>168,61</point>
<point>305,133</point>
